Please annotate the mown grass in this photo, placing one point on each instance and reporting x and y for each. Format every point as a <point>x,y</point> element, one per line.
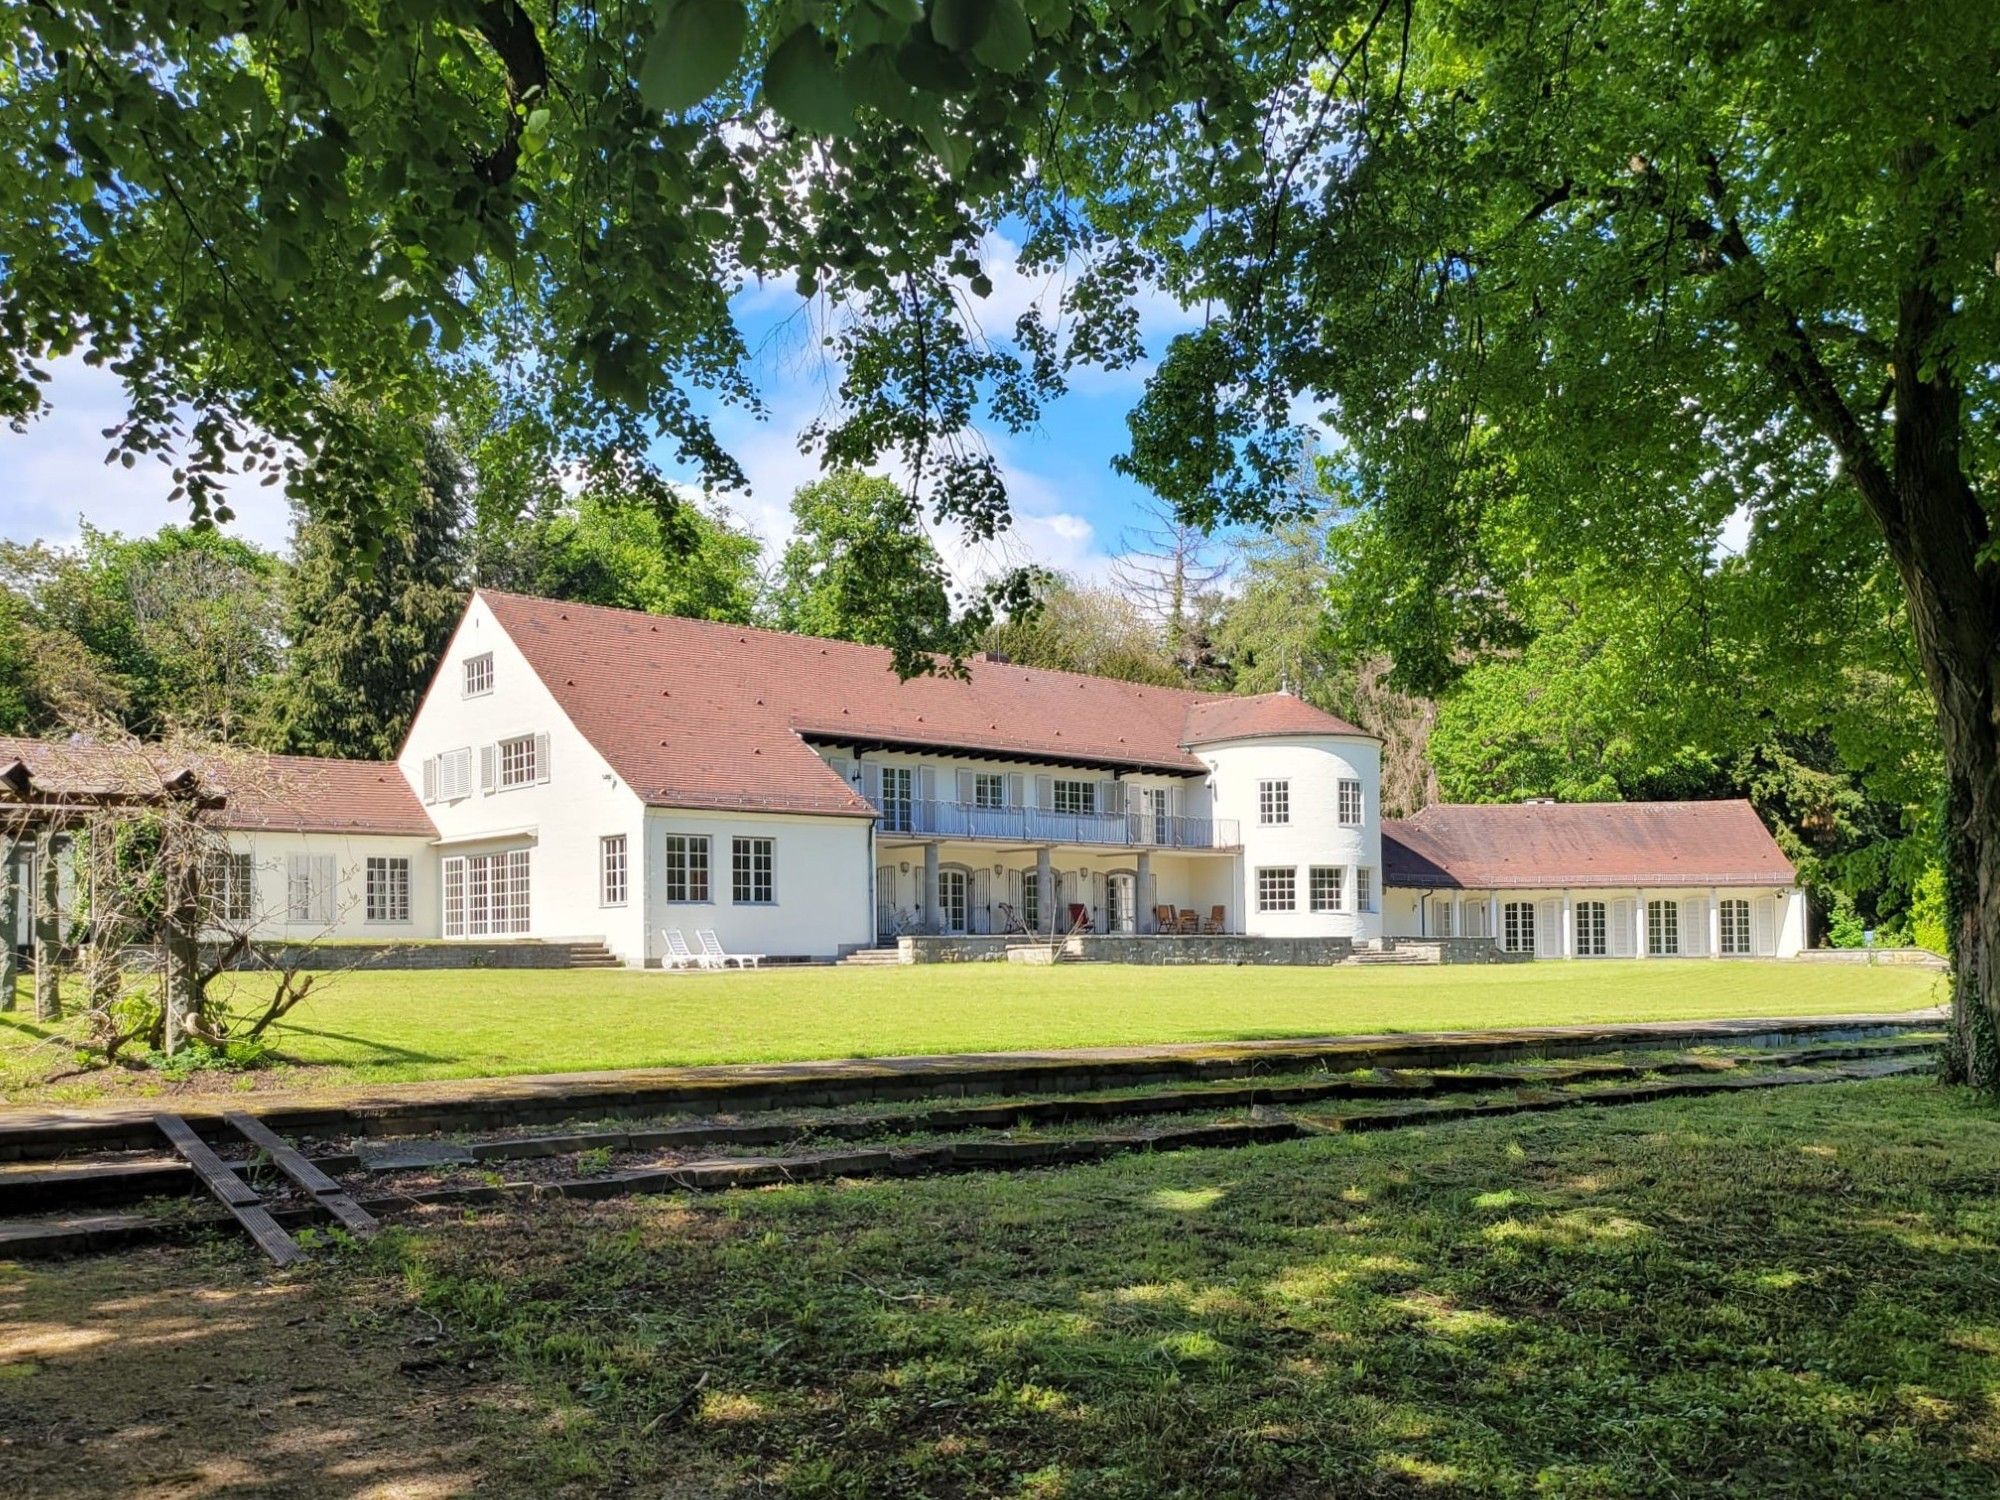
<point>396,1026</point>
<point>1792,1294</point>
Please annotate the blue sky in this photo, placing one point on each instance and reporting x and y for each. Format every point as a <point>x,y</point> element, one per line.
<point>1071,508</point>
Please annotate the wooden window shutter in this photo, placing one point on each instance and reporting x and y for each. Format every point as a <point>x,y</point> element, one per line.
<point>324,878</point>
<point>1017,790</point>
<point>1694,927</point>
<point>966,791</point>
<point>1045,791</point>
<point>541,757</point>
<point>489,766</point>
<point>871,782</point>
<point>431,779</point>
<point>1110,796</point>
<point>927,783</point>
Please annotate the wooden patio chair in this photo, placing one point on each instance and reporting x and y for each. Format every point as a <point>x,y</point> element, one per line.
<point>1215,925</point>
<point>1010,920</point>
<point>1164,919</point>
<point>1190,922</point>
<point>1079,917</point>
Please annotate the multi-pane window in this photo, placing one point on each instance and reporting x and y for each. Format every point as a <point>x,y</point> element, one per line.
<point>1274,802</point>
<point>686,876</point>
<point>751,862</point>
<point>1364,890</point>
<point>309,887</point>
<point>1517,927</point>
<point>486,895</point>
<point>1278,889</point>
<point>1590,929</point>
<point>1349,804</point>
<point>898,791</point>
<point>1031,901</point>
<point>989,790</point>
<point>1076,796</point>
<point>518,761</point>
<point>611,870</point>
<point>479,675</point>
<point>1323,883</point>
<point>1663,928</point>
<point>229,887</point>
<point>388,889</point>
<point>1733,920</point>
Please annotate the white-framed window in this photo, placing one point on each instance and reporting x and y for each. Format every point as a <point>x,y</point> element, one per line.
<point>520,761</point>
<point>1323,887</point>
<point>230,887</point>
<point>686,878</point>
<point>1277,888</point>
<point>611,870</point>
<point>1364,889</point>
<point>1274,802</point>
<point>309,885</point>
<point>1591,928</point>
<point>1517,927</point>
<point>1031,900</point>
<point>387,891</point>
<point>448,775</point>
<point>989,790</point>
<point>1349,803</point>
<point>478,675</point>
<point>486,895</point>
<point>1663,928</point>
<point>898,797</point>
<point>752,868</point>
<point>1733,922</point>
<point>1075,796</point>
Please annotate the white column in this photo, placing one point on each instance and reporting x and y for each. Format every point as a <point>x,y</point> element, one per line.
<point>1569,925</point>
<point>1045,890</point>
<point>1714,923</point>
<point>1641,946</point>
<point>933,918</point>
<point>1493,916</point>
<point>1142,895</point>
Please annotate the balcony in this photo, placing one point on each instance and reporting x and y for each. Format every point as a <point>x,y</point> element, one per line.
<point>1041,825</point>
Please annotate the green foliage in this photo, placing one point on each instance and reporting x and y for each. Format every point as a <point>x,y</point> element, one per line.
<point>366,635</point>
<point>179,631</point>
<point>860,567</point>
<point>676,560</point>
<point>1076,627</point>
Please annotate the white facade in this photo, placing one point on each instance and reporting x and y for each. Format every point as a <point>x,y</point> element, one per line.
<point>1312,833</point>
<point>1612,922</point>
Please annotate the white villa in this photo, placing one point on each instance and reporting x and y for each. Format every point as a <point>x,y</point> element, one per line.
<point>591,774</point>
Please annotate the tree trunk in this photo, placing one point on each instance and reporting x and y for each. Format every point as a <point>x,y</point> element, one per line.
<point>48,928</point>
<point>181,972</point>
<point>10,922</point>
<point>107,927</point>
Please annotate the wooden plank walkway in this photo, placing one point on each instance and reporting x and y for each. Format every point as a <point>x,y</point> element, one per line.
<point>234,1193</point>
<point>329,1194</point>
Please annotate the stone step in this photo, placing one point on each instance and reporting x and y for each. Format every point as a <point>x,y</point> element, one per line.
<point>869,958</point>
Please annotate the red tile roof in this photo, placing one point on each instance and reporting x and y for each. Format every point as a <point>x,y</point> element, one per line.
<point>692,713</point>
<point>1538,845</point>
<point>1265,716</point>
<point>302,794</point>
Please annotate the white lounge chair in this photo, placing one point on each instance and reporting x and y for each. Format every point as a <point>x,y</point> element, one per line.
<point>716,954</point>
<point>679,955</point>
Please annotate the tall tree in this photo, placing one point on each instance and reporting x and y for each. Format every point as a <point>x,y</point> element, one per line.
<point>1172,568</point>
<point>1078,627</point>
<point>860,566</point>
<point>175,632</point>
<point>1576,292</point>
<point>674,558</point>
<point>370,608</point>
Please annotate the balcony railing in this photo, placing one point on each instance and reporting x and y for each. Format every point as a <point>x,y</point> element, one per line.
<point>1042,825</point>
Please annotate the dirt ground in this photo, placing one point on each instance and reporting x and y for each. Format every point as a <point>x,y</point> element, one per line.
<point>194,1371</point>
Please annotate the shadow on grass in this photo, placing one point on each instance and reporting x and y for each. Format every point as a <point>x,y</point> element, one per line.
<point>1779,1295</point>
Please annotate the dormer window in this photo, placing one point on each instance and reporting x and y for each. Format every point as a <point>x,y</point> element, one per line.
<point>479,675</point>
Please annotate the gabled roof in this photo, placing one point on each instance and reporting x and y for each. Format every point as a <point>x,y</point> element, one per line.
<point>301,794</point>
<point>692,713</point>
<point>1538,845</point>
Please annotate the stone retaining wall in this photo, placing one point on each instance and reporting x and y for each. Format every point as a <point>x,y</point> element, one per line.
<point>1129,948</point>
<point>322,956</point>
<point>1460,950</point>
<point>1919,958</point>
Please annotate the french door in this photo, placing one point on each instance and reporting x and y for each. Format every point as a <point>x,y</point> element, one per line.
<point>954,900</point>
<point>486,895</point>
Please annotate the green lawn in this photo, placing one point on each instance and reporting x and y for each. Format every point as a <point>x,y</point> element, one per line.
<point>1791,1294</point>
<point>384,1027</point>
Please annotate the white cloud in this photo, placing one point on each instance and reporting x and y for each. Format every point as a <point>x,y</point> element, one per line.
<point>53,476</point>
